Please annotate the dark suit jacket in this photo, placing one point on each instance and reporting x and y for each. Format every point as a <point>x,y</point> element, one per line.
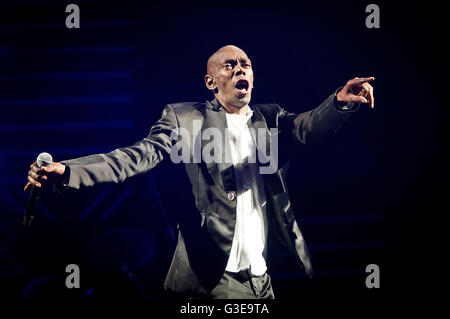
<point>206,229</point>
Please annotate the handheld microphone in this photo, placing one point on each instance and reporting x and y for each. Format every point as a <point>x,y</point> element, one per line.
<point>44,159</point>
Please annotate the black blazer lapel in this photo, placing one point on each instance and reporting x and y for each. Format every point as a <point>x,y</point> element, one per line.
<point>223,170</point>
<point>260,134</point>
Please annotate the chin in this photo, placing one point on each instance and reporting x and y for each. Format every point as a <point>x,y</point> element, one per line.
<point>242,101</point>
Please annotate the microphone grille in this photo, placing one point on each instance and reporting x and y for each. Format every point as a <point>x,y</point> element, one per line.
<point>44,159</point>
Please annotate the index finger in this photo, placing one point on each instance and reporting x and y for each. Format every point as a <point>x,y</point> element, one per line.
<point>363,80</point>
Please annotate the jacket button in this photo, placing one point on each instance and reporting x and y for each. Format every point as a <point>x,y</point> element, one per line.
<point>230,195</point>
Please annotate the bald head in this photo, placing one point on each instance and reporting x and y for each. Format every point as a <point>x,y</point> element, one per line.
<point>230,77</point>
<point>215,59</point>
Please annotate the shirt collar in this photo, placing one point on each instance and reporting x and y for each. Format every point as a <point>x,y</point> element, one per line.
<point>240,118</point>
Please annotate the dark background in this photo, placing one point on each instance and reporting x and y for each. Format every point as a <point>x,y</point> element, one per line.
<point>368,194</point>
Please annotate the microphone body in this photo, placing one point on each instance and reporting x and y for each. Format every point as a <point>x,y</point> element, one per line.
<point>44,159</point>
<point>30,210</point>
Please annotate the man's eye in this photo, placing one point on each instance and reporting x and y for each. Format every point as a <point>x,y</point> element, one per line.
<point>227,66</point>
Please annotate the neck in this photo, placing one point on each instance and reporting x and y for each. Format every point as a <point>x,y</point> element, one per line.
<point>235,110</point>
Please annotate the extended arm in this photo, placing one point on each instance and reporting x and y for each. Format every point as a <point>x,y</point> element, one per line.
<point>114,166</point>
<point>329,116</point>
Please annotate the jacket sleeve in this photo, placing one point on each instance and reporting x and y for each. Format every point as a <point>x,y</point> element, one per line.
<point>312,125</point>
<point>124,162</point>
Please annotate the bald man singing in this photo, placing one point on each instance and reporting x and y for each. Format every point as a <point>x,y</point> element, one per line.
<point>235,156</point>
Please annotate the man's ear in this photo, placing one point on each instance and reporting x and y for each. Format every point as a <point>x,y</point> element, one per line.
<point>210,83</point>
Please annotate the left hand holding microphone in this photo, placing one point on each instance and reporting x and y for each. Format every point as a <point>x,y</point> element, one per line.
<point>37,175</point>
<point>42,171</point>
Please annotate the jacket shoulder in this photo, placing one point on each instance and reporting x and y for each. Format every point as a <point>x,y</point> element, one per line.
<point>187,106</point>
<point>268,108</point>
<point>187,109</point>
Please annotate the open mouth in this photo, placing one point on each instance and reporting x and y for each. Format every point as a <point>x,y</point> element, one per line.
<point>242,86</point>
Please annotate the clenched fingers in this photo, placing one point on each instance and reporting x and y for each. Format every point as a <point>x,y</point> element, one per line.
<point>34,176</point>
<point>371,97</point>
<point>357,99</point>
<point>368,93</point>
<point>31,181</point>
<point>36,173</point>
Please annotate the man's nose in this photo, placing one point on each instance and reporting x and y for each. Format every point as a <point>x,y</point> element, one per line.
<point>239,70</point>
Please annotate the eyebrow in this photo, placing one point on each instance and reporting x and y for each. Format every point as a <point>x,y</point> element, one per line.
<point>234,60</point>
<point>229,61</point>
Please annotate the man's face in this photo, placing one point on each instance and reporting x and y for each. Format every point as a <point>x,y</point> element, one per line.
<point>233,76</point>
